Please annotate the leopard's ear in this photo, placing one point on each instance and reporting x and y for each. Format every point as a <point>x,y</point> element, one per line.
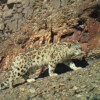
<point>69,45</point>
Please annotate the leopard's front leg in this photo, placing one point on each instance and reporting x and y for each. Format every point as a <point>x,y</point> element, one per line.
<point>52,67</point>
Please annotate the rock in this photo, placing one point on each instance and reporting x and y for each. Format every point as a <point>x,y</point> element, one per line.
<point>0,20</point>
<point>64,3</point>
<point>13,1</point>
<point>15,16</point>
<point>83,98</point>
<point>7,13</point>
<point>21,89</point>
<point>19,10</point>
<point>55,3</point>
<point>11,24</point>
<point>32,90</point>
<point>3,1</point>
<point>96,97</point>
<point>1,32</point>
<point>0,14</point>
<point>5,8</point>
<point>14,25</point>
<point>19,1</point>
<point>20,21</point>
<point>1,26</point>
<point>25,11</point>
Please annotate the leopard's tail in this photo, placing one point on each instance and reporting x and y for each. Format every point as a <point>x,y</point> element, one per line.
<point>5,84</point>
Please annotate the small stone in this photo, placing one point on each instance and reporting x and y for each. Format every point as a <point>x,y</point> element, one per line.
<point>32,90</point>
<point>5,8</point>
<point>78,70</point>
<point>83,98</point>
<point>0,14</point>
<point>21,89</point>
<point>1,26</point>
<point>75,88</point>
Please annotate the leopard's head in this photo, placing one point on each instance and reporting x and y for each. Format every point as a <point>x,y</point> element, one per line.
<point>75,51</point>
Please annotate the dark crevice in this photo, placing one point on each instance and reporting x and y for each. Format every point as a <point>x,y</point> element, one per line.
<point>3,1</point>
<point>52,35</point>
<point>96,13</point>
<point>44,74</point>
<point>1,59</point>
<point>10,6</point>
<point>36,39</point>
<point>19,84</point>
<point>65,35</point>
<point>22,41</point>
<point>80,22</point>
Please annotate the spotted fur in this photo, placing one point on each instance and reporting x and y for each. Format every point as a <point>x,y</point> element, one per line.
<point>48,54</point>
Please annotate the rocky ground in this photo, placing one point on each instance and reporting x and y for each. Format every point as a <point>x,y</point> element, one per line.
<point>71,85</point>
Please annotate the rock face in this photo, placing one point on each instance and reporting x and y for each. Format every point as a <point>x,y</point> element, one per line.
<point>14,13</point>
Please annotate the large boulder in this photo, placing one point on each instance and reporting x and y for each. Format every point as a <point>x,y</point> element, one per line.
<point>13,1</point>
